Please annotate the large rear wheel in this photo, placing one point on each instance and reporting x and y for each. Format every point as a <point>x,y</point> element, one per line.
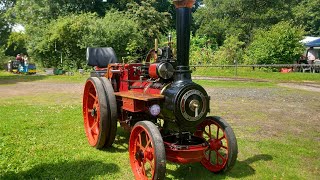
<point>146,151</point>
<point>95,113</point>
<point>222,152</point>
<point>112,109</point>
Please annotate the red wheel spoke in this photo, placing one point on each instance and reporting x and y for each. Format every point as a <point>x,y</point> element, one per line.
<point>93,126</point>
<point>93,96</point>
<point>96,103</point>
<point>90,110</point>
<point>224,147</point>
<point>218,132</point>
<point>222,138</point>
<point>207,134</point>
<point>148,142</point>
<point>143,169</point>
<point>140,143</point>
<point>151,164</point>
<point>219,155</point>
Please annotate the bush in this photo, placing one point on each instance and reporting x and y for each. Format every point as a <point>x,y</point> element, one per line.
<point>201,50</point>
<point>279,45</point>
<point>4,59</point>
<point>230,51</point>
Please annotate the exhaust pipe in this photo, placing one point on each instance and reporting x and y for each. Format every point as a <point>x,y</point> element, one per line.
<point>183,23</point>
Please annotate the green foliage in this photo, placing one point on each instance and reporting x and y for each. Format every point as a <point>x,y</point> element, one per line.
<point>307,15</point>
<point>222,18</point>
<point>35,12</point>
<point>5,23</point>
<point>279,45</point>
<point>4,59</point>
<point>230,52</point>
<point>150,21</point>
<point>67,27</point>
<point>69,36</point>
<point>201,50</point>
<point>16,44</point>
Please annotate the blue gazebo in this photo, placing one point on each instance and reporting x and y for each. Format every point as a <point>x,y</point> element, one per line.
<point>314,43</point>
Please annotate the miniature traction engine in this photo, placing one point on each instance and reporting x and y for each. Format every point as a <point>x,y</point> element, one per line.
<point>165,112</point>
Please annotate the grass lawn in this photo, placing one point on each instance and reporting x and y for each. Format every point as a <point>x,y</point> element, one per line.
<point>258,74</point>
<point>42,134</point>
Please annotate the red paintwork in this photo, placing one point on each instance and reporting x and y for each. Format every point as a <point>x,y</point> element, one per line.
<point>141,152</point>
<point>153,71</point>
<point>133,105</point>
<point>145,88</point>
<point>184,153</point>
<point>91,122</point>
<point>127,75</point>
<point>218,145</point>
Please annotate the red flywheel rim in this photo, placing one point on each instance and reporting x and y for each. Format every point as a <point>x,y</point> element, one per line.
<point>91,112</point>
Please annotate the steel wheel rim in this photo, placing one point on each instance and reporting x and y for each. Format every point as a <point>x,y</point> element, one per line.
<point>217,154</point>
<point>91,112</point>
<point>142,155</point>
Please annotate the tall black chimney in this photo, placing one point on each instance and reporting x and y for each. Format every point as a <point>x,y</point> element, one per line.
<point>183,23</point>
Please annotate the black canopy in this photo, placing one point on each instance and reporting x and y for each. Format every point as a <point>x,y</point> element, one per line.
<point>101,56</point>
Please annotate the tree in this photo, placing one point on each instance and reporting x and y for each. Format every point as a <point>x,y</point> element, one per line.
<point>70,36</point>
<point>16,44</point>
<point>221,18</point>
<point>230,52</point>
<point>201,50</point>
<point>39,12</point>
<point>306,15</point>
<point>5,21</point>
<point>279,45</point>
<point>150,22</point>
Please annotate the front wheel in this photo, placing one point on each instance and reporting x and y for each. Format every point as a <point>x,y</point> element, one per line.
<point>222,152</point>
<point>146,151</point>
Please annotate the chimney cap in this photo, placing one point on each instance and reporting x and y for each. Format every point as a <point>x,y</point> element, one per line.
<point>184,3</point>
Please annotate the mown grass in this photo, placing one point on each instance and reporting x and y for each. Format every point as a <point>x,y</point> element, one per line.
<point>230,84</point>
<point>43,139</point>
<point>257,74</point>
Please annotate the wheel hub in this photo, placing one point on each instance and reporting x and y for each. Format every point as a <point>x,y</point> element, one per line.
<point>143,156</point>
<point>93,112</point>
<point>139,155</point>
<point>215,144</point>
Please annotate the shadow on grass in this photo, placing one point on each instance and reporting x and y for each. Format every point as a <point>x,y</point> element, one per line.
<point>120,143</point>
<point>197,171</point>
<point>65,170</point>
<point>15,78</point>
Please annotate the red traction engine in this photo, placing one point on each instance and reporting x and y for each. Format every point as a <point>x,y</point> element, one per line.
<point>159,104</point>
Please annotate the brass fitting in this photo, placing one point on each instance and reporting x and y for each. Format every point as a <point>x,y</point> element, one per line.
<point>184,3</point>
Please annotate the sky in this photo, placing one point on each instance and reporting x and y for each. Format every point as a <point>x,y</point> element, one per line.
<point>18,28</point>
